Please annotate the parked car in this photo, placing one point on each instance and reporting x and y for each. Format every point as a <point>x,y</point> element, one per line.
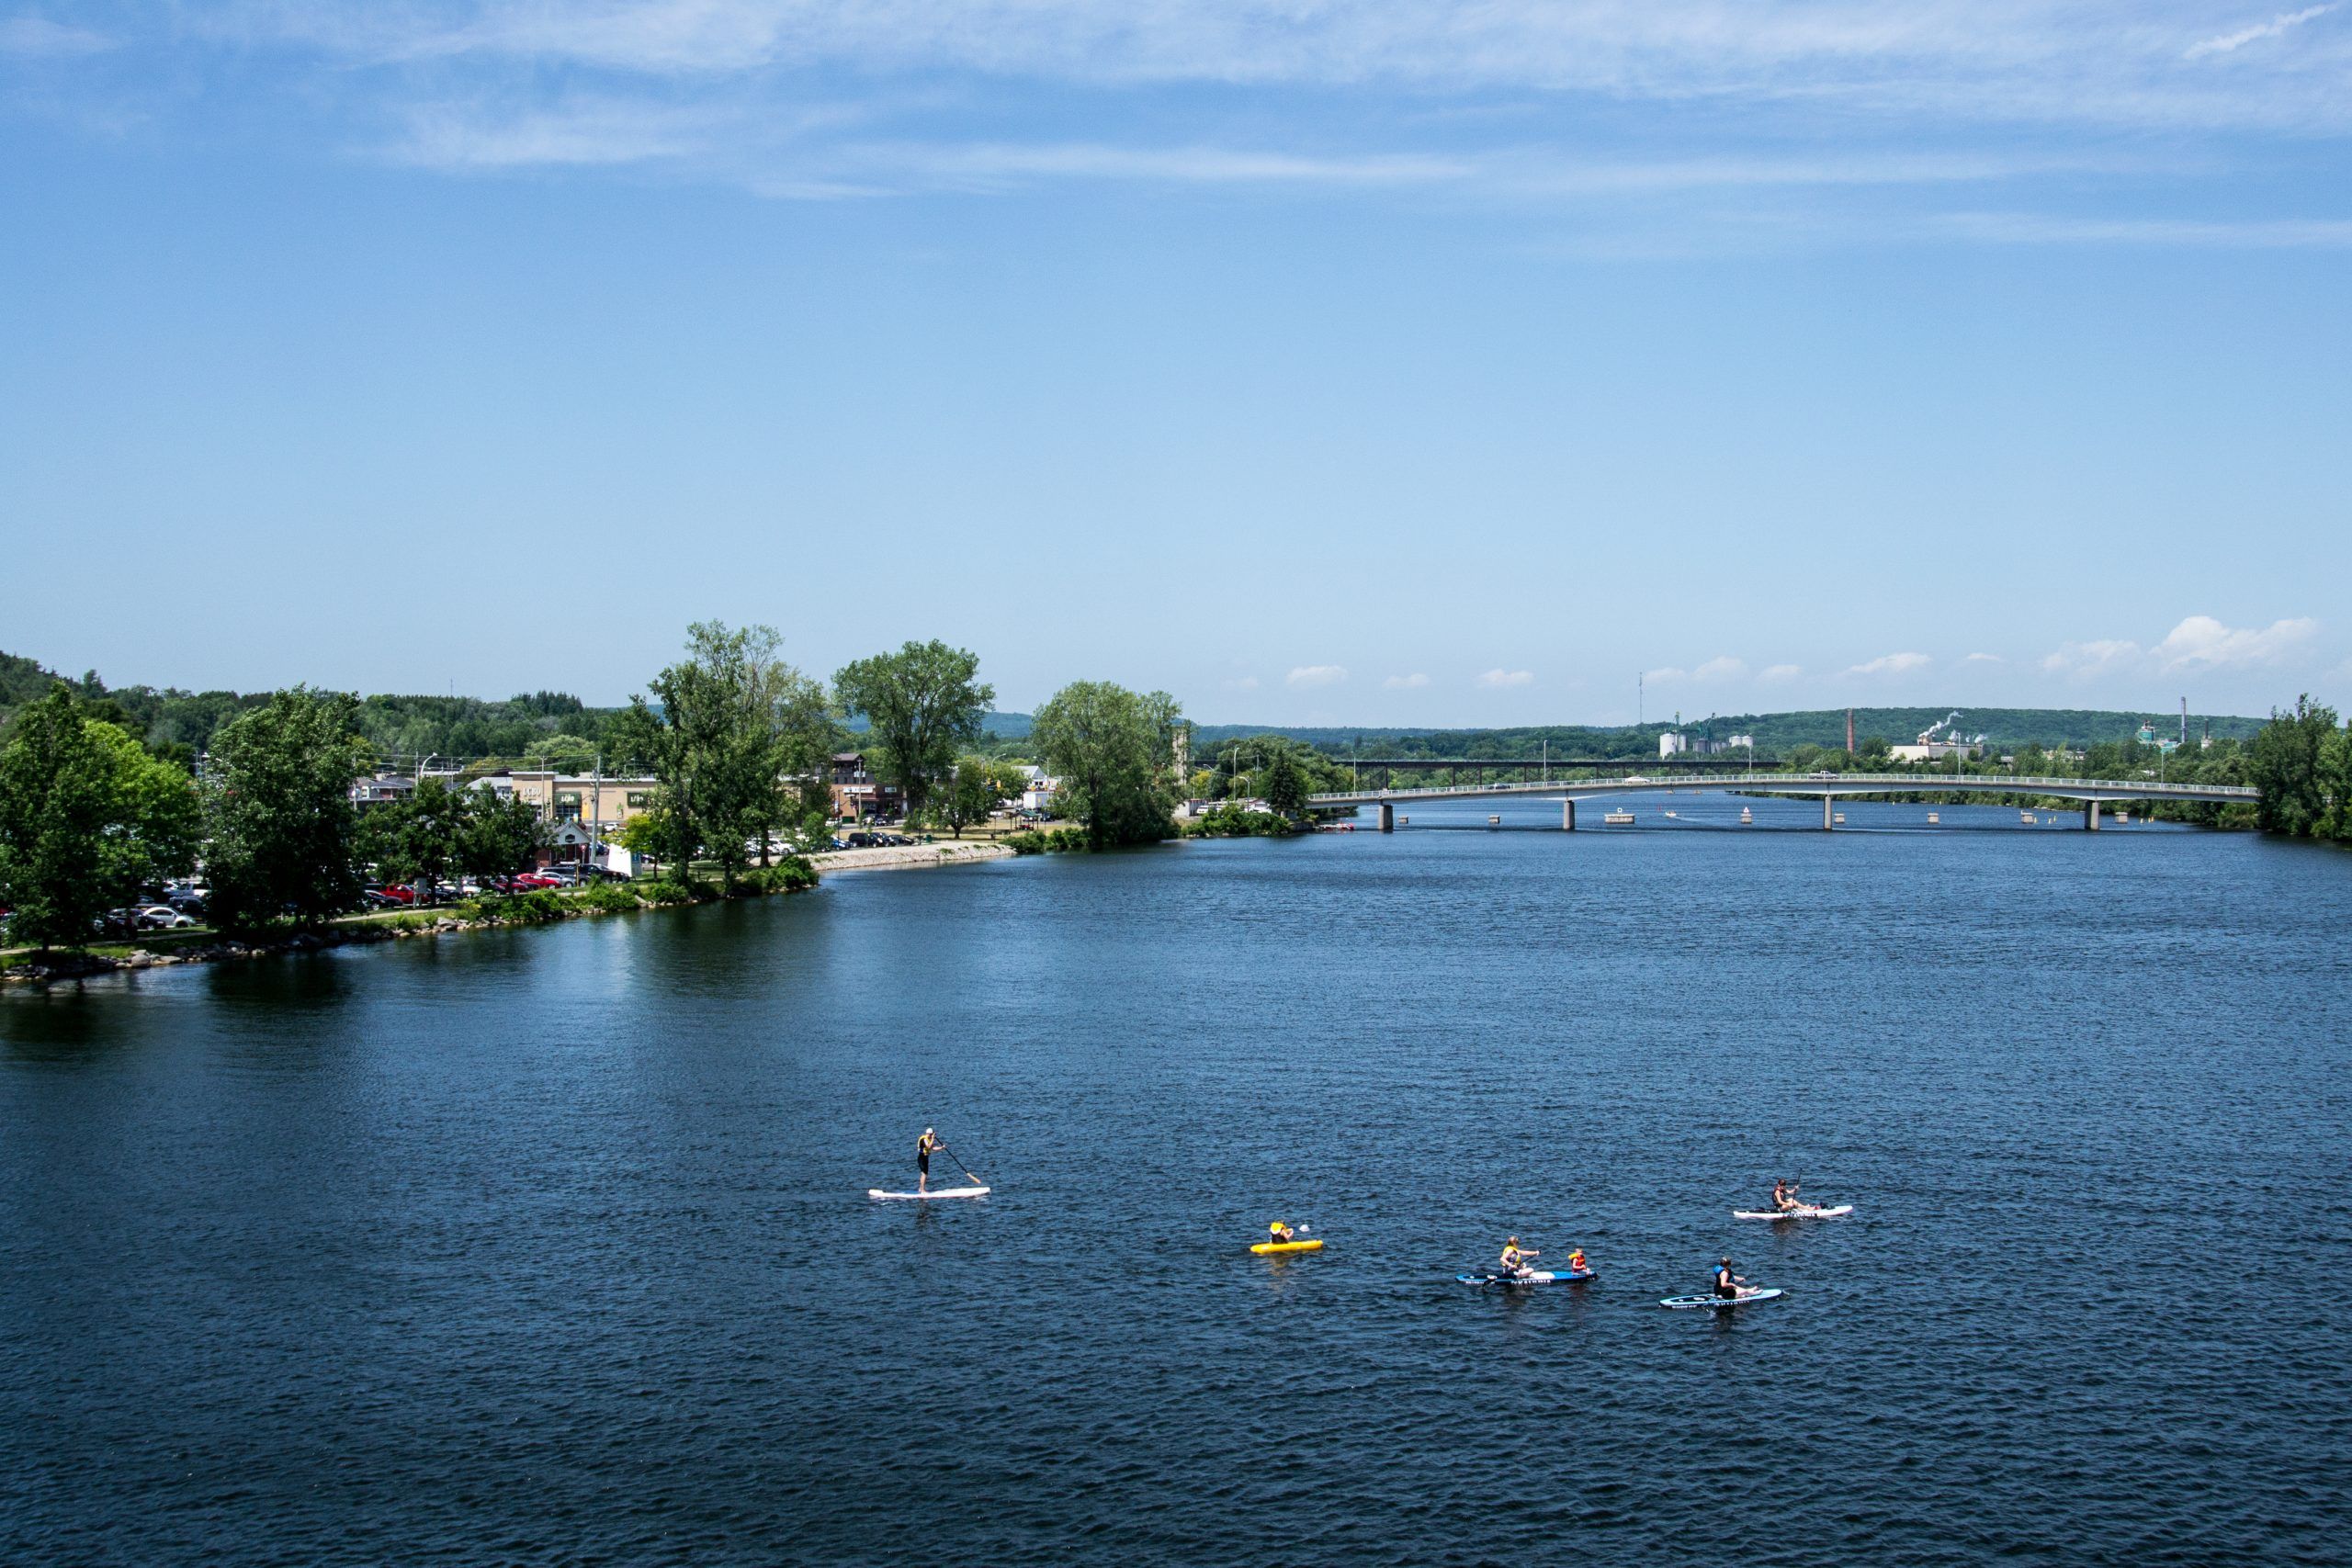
<point>159,917</point>
<point>379,898</point>
<point>531,879</point>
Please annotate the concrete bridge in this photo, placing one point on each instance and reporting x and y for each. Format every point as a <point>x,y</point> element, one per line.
<point>2095,794</point>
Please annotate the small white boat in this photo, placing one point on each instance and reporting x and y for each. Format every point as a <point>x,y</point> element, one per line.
<point>1618,818</point>
<point>1933,819</point>
<point>1745,815</point>
<point>2026,818</point>
<point>1838,817</point>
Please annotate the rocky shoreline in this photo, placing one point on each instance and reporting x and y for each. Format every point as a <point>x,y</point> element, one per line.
<point>64,965</point>
<point>904,855</point>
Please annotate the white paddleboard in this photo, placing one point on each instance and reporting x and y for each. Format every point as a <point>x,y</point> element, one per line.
<point>1804,1211</point>
<point>1714,1301</point>
<point>934,1192</point>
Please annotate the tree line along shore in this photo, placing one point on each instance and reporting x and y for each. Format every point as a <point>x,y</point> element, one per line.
<point>106,795</point>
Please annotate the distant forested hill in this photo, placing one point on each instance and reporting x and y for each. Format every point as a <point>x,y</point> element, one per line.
<point>1774,732</point>
<point>558,730</point>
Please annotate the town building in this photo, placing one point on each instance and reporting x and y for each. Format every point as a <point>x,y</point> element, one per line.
<point>858,793</point>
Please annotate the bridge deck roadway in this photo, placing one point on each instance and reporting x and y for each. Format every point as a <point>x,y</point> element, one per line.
<point>1809,786</point>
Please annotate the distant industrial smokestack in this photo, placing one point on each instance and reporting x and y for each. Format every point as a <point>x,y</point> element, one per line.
<point>1850,731</point>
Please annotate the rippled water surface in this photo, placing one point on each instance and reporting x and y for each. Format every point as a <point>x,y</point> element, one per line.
<point>552,1247</point>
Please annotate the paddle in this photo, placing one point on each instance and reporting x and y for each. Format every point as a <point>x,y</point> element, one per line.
<point>960,1165</point>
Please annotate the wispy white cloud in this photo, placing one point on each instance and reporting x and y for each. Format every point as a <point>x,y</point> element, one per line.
<point>1891,664</point>
<point>1241,683</point>
<point>1777,674</point>
<point>1666,675</point>
<point>1500,677</point>
<point>1981,658</point>
<point>38,38</point>
<point>1412,682</point>
<point>2202,642</point>
<point>2229,43</point>
<point>1311,675</point>
<point>2196,643</point>
<point>2253,233</point>
<point>1723,668</point>
<point>2084,661</point>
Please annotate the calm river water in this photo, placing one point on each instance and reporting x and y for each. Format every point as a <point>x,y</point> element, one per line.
<point>553,1246</point>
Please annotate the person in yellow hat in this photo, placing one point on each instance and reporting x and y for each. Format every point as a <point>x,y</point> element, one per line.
<point>926,1147</point>
<point>1279,1232</point>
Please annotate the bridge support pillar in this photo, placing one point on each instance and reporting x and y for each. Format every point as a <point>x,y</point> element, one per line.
<point>1387,818</point>
<point>1827,821</point>
<point>2090,815</point>
<point>1567,817</point>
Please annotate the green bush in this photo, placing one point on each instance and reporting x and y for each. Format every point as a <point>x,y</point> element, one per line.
<point>666,893</point>
<point>529,908</point>
<point>1230,821</point>
<point>788,875</point>
<point>1051,841</point>
<point>606,898</point>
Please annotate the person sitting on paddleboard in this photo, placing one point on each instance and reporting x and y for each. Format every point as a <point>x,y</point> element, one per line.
<point>1727,1283</point>
<point>1280,1232</point>
<point>1514,1261</point>
<point>924,1146</point>
<point>1784,1196</point>
<point>1576,1265</point>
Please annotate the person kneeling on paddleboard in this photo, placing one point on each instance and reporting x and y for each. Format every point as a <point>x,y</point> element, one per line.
<point>924,1147</point>
<point>1514,1260</point>
<point>1280,1232</point>
<point>1727,1283</point>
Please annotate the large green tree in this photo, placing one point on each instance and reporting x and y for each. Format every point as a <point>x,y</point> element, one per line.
<point>414,838</point>
<point>2286,762</point>
<point>737,739</point>
<point>1111,750</point>
<point>278,809</point>
<point>497,835</point>
<point>920,703</point>
<point>978,787</point>
<point>1285,784</point>
<point>87,819</point>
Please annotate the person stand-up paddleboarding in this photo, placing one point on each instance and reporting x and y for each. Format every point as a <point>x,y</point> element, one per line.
<point>1514,1259</point>
<point>926,1147</point>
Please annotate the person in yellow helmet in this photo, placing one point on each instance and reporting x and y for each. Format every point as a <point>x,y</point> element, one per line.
<point>1279,1232</point>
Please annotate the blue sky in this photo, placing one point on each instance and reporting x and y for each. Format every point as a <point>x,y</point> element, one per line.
<point>1395,363</point>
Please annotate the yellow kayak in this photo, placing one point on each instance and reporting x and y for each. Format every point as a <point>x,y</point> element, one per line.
<point>1286,1247</point>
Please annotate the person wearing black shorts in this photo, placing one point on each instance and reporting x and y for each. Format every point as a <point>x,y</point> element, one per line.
<point>923,1147</point>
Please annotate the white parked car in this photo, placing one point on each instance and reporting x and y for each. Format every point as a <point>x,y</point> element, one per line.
<point>159,917</point>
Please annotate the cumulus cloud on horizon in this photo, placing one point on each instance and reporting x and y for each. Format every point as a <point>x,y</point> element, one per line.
<point>1499,677</point>
<point>1310,675</point>
<point>2196,643</point>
